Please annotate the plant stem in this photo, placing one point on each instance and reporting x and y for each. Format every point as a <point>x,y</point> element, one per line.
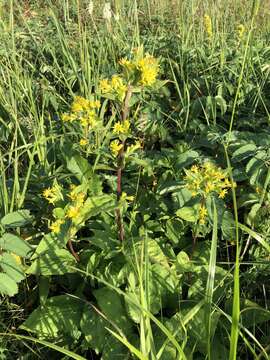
<point>120,166</point>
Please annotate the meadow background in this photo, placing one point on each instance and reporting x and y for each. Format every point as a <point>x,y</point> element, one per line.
<point>189,279</point>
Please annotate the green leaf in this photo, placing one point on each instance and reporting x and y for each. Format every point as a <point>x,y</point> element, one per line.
<point>93,326</point>
<point>53,262</point>
<point>244,152</point>
<point>16,219</point>
<point>187,213</point>
<point>175,230</point>
<point>11,267</point>
<point>256,167</point>
<point>112,306</point>
<point>183,263</point>
<point>186,159</point>
<point>95,205</point>
<point>79,167</point>
<point>7,285</point>
<point>15,244</point>
<point>61,315</point>
<point>228,226</point>
<point>222,104</point>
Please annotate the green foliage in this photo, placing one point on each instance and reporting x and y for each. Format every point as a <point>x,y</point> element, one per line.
<point>12,249</point>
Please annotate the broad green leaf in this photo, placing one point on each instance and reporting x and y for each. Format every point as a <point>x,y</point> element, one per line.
<point>183,262</point>
<point>15,244</point>
<point>252,214</point>
<point>79,167</point>
<point>7,285</point>
<point>223,279</point>
<point>94,205</point>
<point>175,230</point>
<point>53,262</point>
<point>112,306</point>
<point>155,254</point>
<point>59,316</point>
<point>228,226</point>
<point>93,326</point>
<point>16,219</point>
<point>186,159</point>
<point>187,213</point>
<point>11,267</point>
<point>256,167</point>
<point>244,152</point>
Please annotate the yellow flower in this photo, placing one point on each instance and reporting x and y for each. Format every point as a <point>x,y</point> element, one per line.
<point>83,142</point>
<point>73,212</point>
<point>126,125</point>
<point>79,104</point>
<point>227,183</point>
<point>209,187</point>
<point>126,63</point>
<point>126,197</point>
<point>149,68</point>
<point>77,196</point>
<point>105,86</point>
<point>115,147</point>
<point>65,117</point>
<point>118,128</point>
<point>121,128</point>
<point>208,25</point>
<point>118,86</point>
<point>202,214</point>
<point>222,193</point>
<point>68,117</point>
<point>55,227</point>
<point>50,194</point>
<point>195,169</point>
<point>84,121</point>
<point>240,30</point>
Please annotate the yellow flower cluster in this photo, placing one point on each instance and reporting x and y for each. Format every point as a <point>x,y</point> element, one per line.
<point>72,210</point>
<point>127,64</point>
<point>114,86</point>
<point>202,214</point>
<point>55,227</point>
<point>52,194</point>
<point>121,128</point>
<point>240,30</point>
<point>77,197</point>
<point>149,68</point>
<point>83,142</point>
<point>206,179</point>
<point>81,104</point>
<point>83,110</point>
<point>115,147</point>
<point>142,70</point>
<point>208,25</point>
<point>145,68</point>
